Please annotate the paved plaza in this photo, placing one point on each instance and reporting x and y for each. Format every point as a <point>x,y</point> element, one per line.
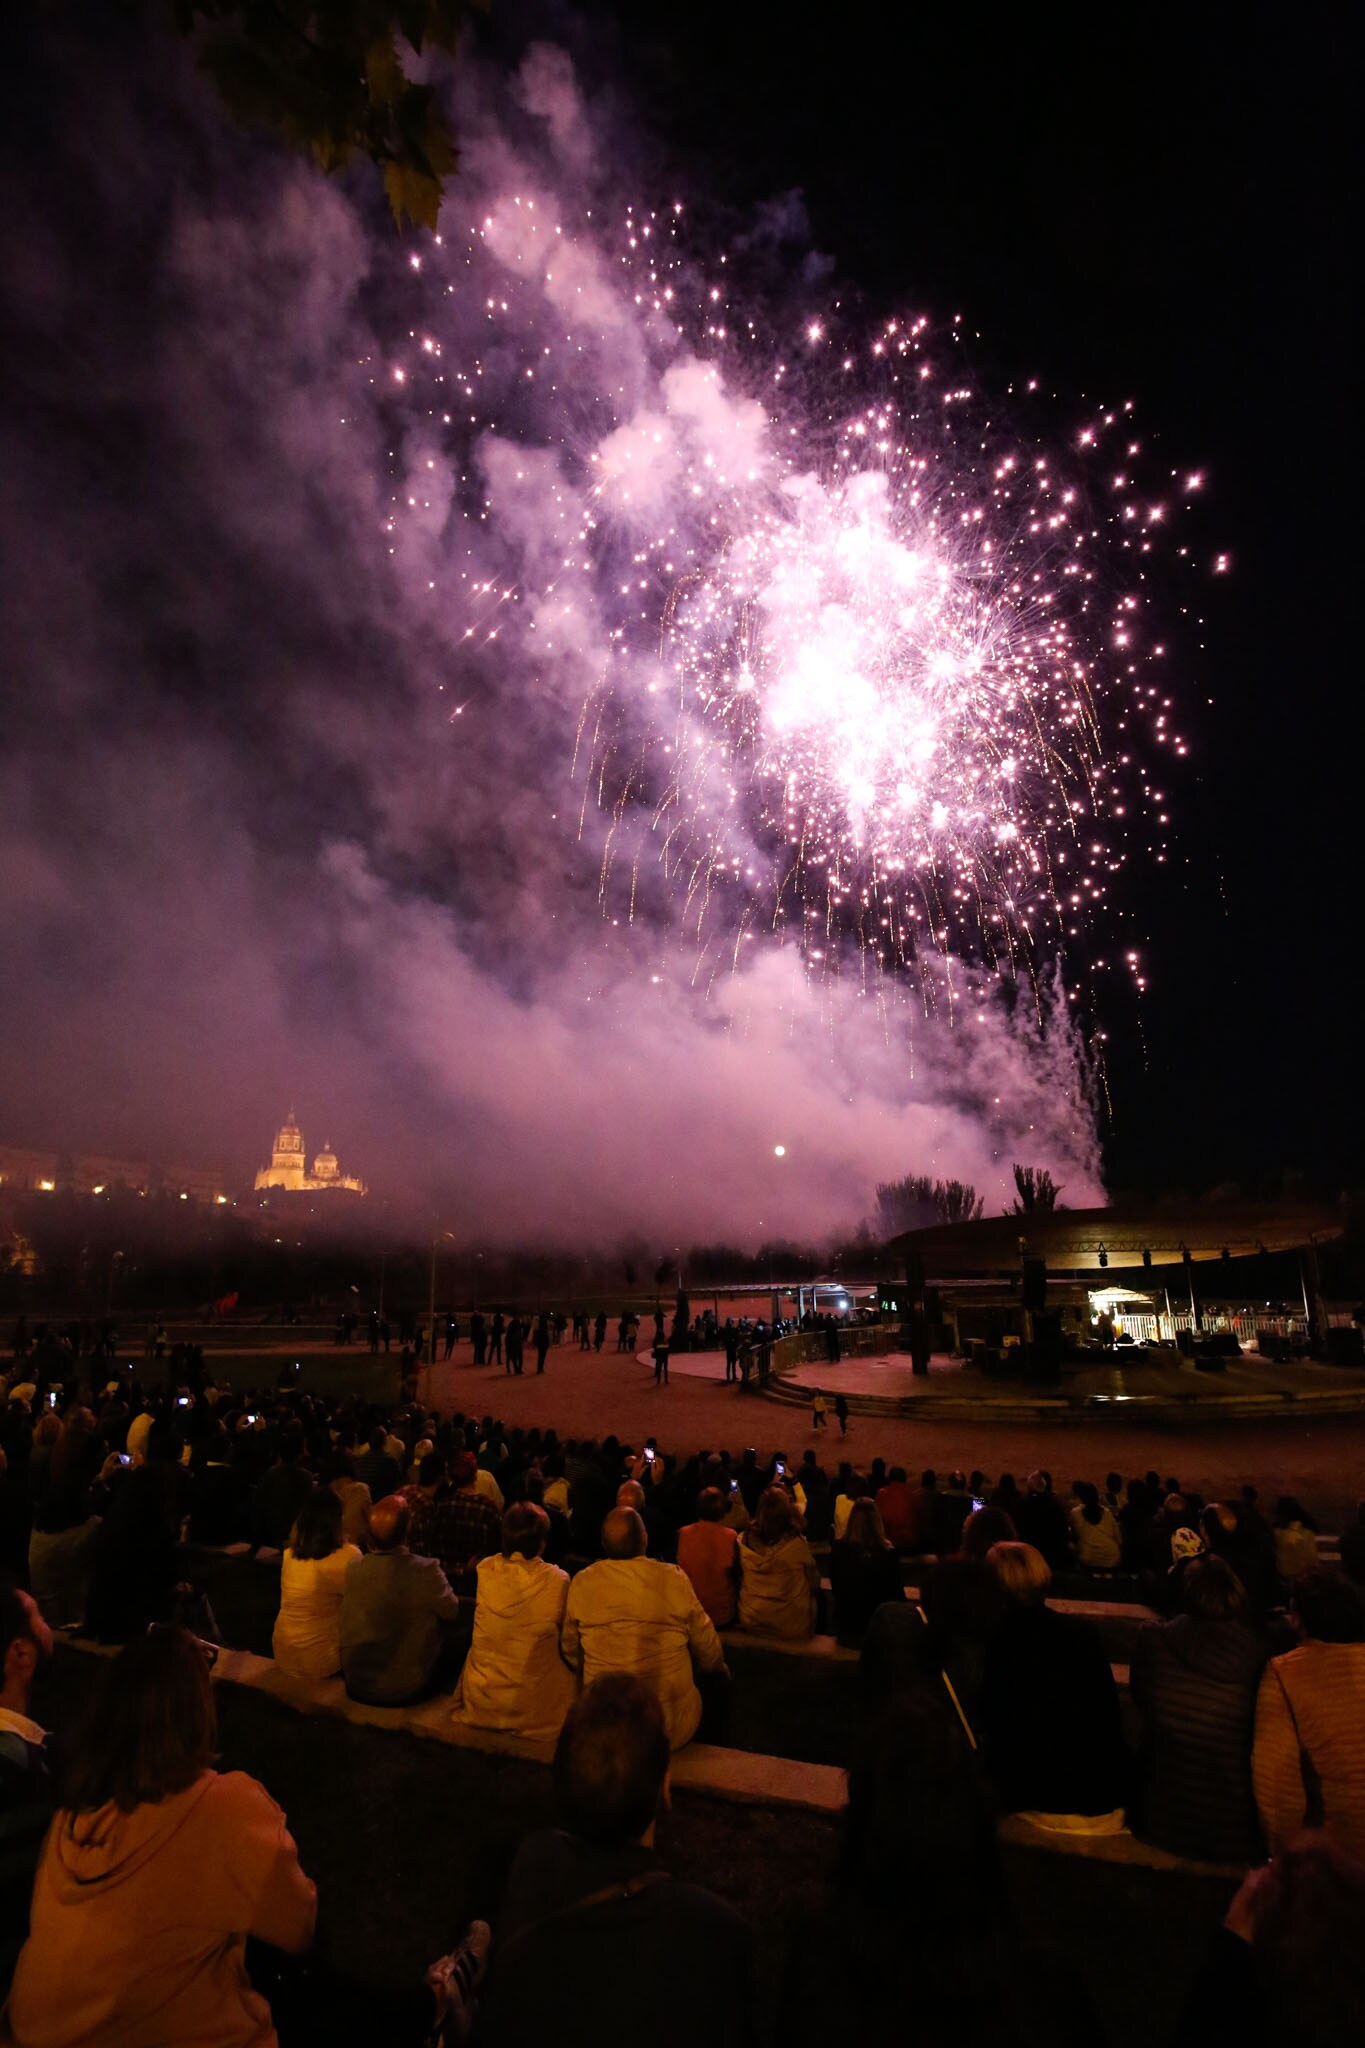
<point>1320,1457</point>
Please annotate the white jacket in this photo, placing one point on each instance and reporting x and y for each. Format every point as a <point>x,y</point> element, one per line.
<point>514,1677</point>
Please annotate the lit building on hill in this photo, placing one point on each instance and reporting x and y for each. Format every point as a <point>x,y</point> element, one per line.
<point>288,1168</point>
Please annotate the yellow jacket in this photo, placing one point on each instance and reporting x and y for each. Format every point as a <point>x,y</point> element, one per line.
<point>638,1614</point>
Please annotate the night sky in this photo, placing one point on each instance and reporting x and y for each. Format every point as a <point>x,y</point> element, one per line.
<point>1158,203</point>
<point>246,856</point>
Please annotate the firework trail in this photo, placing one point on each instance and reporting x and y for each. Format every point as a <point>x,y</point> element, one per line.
<point>858,661</point>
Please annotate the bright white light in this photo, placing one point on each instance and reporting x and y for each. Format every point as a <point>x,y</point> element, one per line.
<point>779,1151</point>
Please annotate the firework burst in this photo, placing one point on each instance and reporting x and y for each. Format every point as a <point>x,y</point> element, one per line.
<point>869,667</point>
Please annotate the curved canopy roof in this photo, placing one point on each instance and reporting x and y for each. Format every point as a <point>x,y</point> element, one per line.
<point>1070,1240</point>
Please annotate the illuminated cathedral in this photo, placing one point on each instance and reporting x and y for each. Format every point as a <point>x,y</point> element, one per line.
<point>288,1166</point>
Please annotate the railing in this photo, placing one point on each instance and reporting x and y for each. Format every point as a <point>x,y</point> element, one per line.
<point>809,1347</point>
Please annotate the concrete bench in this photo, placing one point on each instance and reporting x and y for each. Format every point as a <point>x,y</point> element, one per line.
<point>707,1769</point>
<point>1123,1848</point>
<point>829,1650</point>
<point>704,1768</point>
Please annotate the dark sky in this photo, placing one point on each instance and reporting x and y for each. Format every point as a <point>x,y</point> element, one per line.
<point>245,855</point>
<point>1160,203</point>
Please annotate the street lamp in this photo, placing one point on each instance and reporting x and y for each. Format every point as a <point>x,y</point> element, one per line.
<point>436,1243</point>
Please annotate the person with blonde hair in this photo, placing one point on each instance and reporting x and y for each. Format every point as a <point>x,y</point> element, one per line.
<point>307,1638</point>
<point>779,1580</point>
<point>864,1572</point>
<point>1049,1707</point>
<point>514,1677</point>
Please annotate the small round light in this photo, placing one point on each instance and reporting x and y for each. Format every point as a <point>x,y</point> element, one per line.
<point>779,1151</point>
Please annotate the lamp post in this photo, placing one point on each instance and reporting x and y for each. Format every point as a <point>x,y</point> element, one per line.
<point>436,1243</point>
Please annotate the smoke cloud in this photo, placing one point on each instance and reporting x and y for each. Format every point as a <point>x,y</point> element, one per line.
<point>290,803</point>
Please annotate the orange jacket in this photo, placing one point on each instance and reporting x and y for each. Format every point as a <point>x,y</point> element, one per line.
<point>140,1919</point>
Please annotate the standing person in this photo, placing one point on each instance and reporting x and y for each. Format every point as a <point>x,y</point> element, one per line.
<point>306,1641</point>
<point>495,1336</point>
<point>478,1332</point>
<point>841,1413</point>
<point>156,1871</point>
<point>599,1330</point>
<point>542,1342</point>
<point>819,1408</point>
<point>661,1361</point>
<point>513,1340</point>
<point>452,1332</point>
<point>730,1339</point>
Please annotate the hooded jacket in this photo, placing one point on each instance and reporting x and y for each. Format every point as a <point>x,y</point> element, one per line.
<point>1194,1683</point>
<point>139,1922</point>
<point>514,1677</point>
<point>777,1586</point>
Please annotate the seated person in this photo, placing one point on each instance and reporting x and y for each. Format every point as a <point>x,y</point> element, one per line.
<point>779,1578</point>
<point>630,1612</point>
<point>460,1526</point>
<point>707,1553</point>
<point>1094,1532</point>
<point>1194,1682</point>
<point>25,1786</point>
<point>155,1871</point>
<point>864,1572</point>
<point>306,1640</point>
<point>514,1677</point>
<point>1308,1758</point>
<point>1049,1707</point>
<point>394,1613</point>
<point>593,1925</point>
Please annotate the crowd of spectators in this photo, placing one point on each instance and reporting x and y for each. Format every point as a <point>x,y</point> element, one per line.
<point>579,1593</point>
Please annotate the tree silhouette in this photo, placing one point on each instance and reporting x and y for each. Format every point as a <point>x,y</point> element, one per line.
<point>917,1201</point>
<point>1037,1190</point>
<point>327,76</point>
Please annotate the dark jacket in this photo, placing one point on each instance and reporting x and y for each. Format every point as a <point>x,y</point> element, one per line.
<point>1040,1519</point>
<point>859,1581</point>
<point>390,1625</point>
<point>1050,1715</point>
<point>25,1811</point>
<point>1194,1683</point>
<point>652,1961</point>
